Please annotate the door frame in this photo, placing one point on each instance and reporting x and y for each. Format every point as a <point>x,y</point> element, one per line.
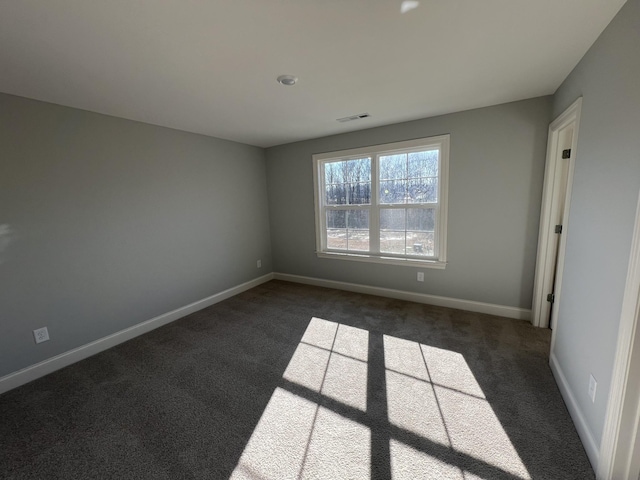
<point>619,456</point>
<point>545,265</point>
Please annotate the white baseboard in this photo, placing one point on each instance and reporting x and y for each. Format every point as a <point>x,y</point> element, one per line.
<point>27,374</point>
<point>469,305</point>
<point>593,452</point>
<point>52,364</point>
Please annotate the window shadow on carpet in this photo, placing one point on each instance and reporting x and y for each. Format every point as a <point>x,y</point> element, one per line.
<point>357,404</point>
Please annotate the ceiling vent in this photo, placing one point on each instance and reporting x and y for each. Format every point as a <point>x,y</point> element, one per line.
<point>353,117</point>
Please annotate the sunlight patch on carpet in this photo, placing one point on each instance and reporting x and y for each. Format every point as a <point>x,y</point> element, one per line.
<point>406,461</point>
<point>318,424</point>
<point>278,444</point>
<point>412,406</point>
<point>296,438</point>
<point>338,448</point>
<point>433,393</point>
<point>331,359</point>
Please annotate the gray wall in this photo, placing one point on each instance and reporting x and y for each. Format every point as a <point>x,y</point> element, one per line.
<point>114,222</point>
<point>603,203</point>
<point>496,174</point>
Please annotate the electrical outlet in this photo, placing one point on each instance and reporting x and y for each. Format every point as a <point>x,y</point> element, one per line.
<point>592,388</point>
<point>421,276</point>
<point>259,263</point>
<point>41,335</point>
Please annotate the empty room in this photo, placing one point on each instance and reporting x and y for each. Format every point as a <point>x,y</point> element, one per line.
<point>303,239</point>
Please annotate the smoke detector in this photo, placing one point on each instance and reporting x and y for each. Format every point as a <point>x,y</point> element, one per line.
<point>288,80</point>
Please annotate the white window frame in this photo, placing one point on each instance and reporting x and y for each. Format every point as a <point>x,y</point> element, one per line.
<point>439,260</point>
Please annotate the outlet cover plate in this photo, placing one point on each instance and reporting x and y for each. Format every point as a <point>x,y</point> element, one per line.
<point>41,335</point>
<point>421,276</point>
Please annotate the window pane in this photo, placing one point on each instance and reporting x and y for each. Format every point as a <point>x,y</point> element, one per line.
<point>348,181</point>
<point>420,243</point>
<point>422,190</point>
<point>360,193</point>
<point>358,170</point>
<point>421,219</point>
<point>393,241</point>
<point>423,164</point>
<point>358,230</point>
<point>358,219</point>
<point>345,171</point>
<point>392,230</point>
<point>358,240</point>
<point>335,172</point>
<point>393,166</point>
<point>348,230</point>
<point>337,238</point>
<point>336,194</point>
<point>393,218</point>
<point>336,219</point>
<point>393,191</point>
<point>407,231</point>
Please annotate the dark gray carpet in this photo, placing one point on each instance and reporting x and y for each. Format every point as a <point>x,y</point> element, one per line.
<point>377,388</point>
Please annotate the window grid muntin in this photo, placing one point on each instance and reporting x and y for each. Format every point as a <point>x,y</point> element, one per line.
<point>375,233</point>
<point>347,180</point>
<point>416,247</point>
<point>380,205</point>
<point>434,144</point>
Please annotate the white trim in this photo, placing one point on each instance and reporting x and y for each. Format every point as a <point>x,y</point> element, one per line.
<point>317,203</point>
<point>382,148</point>
<point>469,305</point>
<point>439,259</point>
<point>544,262</point>
<point>443,201</point>
<point>405,262</point>
<point>579,421</point>
<point>574,110</point>
<point>25,375</point>
<point>623,407</point>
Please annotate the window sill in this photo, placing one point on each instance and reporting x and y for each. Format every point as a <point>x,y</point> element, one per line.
<point>407,262</point>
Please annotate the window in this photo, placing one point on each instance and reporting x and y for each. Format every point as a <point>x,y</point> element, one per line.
<point>386,203</point>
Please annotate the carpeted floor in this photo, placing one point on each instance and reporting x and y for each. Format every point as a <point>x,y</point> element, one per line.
<point>292,381</point>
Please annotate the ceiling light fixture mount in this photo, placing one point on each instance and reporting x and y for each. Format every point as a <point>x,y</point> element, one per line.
<point>288,80</point>
<point>408,5</point>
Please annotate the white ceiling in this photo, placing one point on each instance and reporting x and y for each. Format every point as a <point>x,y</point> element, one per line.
<point>210,66</point>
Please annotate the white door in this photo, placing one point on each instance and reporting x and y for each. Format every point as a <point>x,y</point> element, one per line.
<point>561,148</point>
<point>559,194</point>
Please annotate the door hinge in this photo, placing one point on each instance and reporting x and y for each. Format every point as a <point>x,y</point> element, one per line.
<point>566,153</point>
<point>558,229</point>
<point>551,298</point>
